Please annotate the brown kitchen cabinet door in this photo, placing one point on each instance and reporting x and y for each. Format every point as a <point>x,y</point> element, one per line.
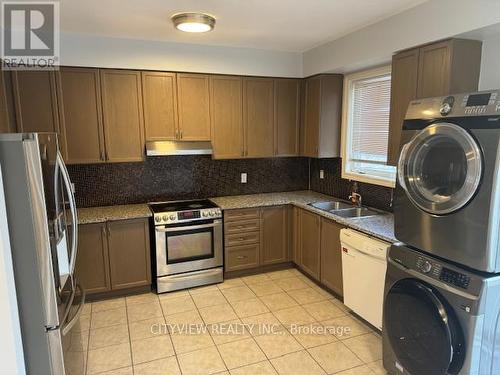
<point>287,117</point>
<point>310,246</point>
<point>258,117</point>
<point>296,235</point>
<point>7,120</point>
<point>434,70</point>
<point>129,253</point>
<point>123,115</point>
<point>226,117</point>
<point>35,101</point>
<point>312,116</point>
<point>92,262</point>
<point>80,109</point>
<point>322,116</point>
<point>194,107</point>
<point>274,235</point>
<point>331,256</point>
<point>403,91</point>
<point>159,92</point>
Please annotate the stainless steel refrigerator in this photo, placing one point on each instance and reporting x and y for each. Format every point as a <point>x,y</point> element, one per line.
<point>42,220</point>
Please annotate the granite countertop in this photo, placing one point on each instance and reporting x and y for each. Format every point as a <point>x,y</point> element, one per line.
<point>109,213</point>
<point>380,226</point>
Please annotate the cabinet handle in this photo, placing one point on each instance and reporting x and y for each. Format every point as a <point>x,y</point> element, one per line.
<point>102,156</point>
<point>103,230</point>
<point>240,226</point>
<point>239,257</point>
<point>241,239</point>
<point>181,134</point>
<point>109,232</point>
<point>106,155</point>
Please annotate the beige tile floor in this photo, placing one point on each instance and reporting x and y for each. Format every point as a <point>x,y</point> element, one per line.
<point>313,332</point>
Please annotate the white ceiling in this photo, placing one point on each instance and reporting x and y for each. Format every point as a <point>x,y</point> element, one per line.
<point>284,25</point>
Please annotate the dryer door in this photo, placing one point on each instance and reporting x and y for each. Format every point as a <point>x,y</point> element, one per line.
<point>440,169</point>
<point>422,329</point>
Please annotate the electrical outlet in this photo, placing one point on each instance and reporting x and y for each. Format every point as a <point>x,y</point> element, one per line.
<point>321,174</point>
<point>243,178</point>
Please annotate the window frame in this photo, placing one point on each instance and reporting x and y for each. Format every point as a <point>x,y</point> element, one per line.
<point>347,104</point>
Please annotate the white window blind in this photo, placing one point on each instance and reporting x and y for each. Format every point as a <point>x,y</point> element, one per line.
<point>366,127</point>
<point>370,119</point>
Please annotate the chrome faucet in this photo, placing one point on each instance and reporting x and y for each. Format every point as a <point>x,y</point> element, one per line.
<point>356,199</point>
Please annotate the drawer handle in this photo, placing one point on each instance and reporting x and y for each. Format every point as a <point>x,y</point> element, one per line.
<point>241,226</point>
<point>241,239</point>
<point>241,257</point>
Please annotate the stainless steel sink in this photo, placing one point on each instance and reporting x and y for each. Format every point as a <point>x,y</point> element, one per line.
<point>331,205</point>
<point>354,212</point>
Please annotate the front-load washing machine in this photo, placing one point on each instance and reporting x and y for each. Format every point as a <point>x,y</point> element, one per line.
<point>439,319</point>
<point>447,199</point>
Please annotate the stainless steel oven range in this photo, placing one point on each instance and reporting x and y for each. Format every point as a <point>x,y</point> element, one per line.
<point>188,244</point>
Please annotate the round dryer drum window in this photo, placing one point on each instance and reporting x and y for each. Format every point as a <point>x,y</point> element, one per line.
<point>440,168</point>
<point>422,329</point>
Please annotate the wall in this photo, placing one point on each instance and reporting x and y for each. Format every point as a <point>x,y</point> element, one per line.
<point>184,177</point>
<point>372,45</point>
<point>333,184</point>
<point>490,60</point>
<point>87,50</point>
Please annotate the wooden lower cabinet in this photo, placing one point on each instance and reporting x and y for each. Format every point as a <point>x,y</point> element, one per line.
<point>92,262</point>
<point>129,253</point>
<point>331,255</point>
<point>274,235</point>
<point>310,243</point>
<point>114,255</point>
<point>242,257</point>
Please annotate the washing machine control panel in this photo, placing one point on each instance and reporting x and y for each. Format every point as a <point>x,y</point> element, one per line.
<point>428,267</point>
<point>453,277</point>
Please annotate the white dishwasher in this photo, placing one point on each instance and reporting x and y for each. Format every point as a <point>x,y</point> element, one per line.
<point>364,263</point>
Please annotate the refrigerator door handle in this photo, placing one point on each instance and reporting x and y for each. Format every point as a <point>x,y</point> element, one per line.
<point>72,206</point>
<point>67,326</point>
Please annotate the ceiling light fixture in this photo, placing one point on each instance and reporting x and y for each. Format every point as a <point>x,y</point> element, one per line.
<point>193,22</point>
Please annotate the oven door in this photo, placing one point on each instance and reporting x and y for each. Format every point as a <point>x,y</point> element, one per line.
<point>188,247</point>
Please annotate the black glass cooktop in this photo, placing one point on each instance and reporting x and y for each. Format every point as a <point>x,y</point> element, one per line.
<point>199,204</point>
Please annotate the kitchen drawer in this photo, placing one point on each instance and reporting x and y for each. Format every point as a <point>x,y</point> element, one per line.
<point>242,226</point>
<point>242,257</point>
<point>243,214</point>
<point>242,238</point>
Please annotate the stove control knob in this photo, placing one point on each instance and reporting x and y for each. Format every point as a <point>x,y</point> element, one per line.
<point>212,213</point>
<point>157,219</point>
<point>172,217</point>
<point>164,218</point>
<point>426,267</point>
<point>205,213</point>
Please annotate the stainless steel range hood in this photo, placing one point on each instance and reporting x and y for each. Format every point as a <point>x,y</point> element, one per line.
<point>163,148</point>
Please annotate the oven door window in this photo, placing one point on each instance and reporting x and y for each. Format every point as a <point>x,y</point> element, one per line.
<point>188,245</point>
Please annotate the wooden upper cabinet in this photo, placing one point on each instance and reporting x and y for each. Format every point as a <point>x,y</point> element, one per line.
<point>443,68</point>
<point>322,116</point>
<point>403,91</point>
<point>433,70</point>
<point>274,232</point>
<point>194,107</point>
<point>123,115</point>
<point>310,246</point>
<point>92,262</point>
<point>331,256</point>
<point>35,101</point>
<point>81,115</point>
<point>7,120</point>
<point>226,117</point>
<point>258,117</point>
<point>287,117</point>
<point>129,253</point>
<point>159,93</point>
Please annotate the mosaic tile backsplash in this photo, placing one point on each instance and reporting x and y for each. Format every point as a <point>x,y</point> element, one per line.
<point>184,177</point>
<point>333,184</point>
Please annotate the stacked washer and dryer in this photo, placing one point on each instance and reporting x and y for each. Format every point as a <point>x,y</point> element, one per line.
<point>442,287</point>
